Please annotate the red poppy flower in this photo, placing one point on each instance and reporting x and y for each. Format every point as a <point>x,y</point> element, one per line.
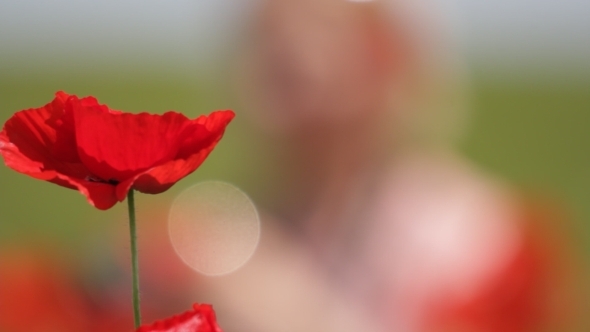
<point>103,153</point>
<point>200,319</point>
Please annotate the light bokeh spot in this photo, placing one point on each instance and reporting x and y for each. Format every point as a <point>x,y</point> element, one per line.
<point>214,227</point>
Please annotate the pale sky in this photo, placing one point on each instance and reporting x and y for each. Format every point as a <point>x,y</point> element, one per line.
<point>490,30</point>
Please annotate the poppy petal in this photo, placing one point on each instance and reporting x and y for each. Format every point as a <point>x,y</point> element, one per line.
<point>161,178</point>
<point>29,142</point>
<point>40,143</point>
<point>63,122</point>
<point>35,133</point>
<point>100,195</point>
<point>118,146</point>
<point>205,132</point>
<point>200,319</point>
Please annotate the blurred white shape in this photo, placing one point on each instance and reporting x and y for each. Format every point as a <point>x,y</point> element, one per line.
<point>444,231</point>
<point>214,227</point>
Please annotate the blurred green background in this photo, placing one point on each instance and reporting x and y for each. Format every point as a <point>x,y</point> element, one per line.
<point>532,129</point>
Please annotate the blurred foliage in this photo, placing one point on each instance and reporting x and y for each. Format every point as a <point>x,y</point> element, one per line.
<point>534,130</point>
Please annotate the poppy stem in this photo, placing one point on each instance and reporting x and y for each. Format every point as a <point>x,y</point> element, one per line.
<point>134,262</point>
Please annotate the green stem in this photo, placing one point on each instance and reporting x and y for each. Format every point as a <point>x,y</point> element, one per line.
<point>134,262</point>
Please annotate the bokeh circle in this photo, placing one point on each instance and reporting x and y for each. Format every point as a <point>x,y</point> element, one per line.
<point>214,227</point>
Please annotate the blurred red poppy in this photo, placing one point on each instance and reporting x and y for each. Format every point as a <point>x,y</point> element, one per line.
<point>200,319</point>
<point>103,153</point>
<point>38,293</point>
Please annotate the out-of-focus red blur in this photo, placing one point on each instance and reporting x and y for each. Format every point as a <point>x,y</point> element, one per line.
<point>44,290</point>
